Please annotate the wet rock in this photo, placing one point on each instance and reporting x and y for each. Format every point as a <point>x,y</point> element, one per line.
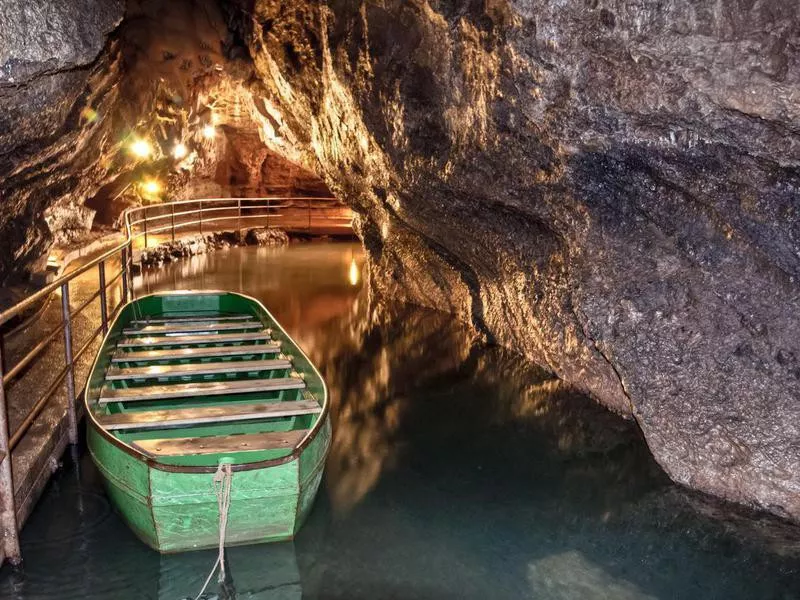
<point>202,244</point>
<point>264,236</point>
<point>612,192</point>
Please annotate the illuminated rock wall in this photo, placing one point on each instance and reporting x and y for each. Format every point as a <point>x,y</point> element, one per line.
<point>611,188</point>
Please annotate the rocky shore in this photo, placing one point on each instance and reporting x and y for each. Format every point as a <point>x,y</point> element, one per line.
<point>204,244</point>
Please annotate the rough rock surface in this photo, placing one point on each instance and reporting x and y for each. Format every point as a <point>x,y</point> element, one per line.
<point>204,244</point>
<point>609,186</point>
<point>49,73</point>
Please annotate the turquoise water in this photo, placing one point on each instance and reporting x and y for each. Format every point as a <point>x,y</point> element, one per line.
<point>457,471</point>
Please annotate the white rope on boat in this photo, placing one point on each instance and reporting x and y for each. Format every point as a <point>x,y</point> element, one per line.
<point>223,479</point>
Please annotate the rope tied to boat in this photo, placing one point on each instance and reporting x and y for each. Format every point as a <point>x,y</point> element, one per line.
<point>222,481</point>
<point>222,486</point>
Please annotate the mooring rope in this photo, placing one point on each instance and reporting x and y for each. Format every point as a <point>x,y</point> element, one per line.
<point>223,479</point>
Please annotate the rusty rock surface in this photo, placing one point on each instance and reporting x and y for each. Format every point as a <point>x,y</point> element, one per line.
<point>610,187</point>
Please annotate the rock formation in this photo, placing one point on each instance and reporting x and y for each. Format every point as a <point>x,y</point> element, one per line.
<point>57,88</point>
<point>610,187</point>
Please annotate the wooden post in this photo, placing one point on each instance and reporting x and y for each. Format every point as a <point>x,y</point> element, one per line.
<point>70,378</point>
<point>9,534</point>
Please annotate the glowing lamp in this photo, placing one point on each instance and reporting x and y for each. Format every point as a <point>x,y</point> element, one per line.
<point>209,132</point>
<point>151,187</point>
<point>141,148</point>
<point>180,151</point>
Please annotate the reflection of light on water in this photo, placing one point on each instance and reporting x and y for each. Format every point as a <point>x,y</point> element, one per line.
<point>571,575</point>
<point>354,273</point>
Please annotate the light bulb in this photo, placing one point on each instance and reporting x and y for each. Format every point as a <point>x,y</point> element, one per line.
<point>180,151</point>
<point>209,132</point>
<point>141,148</point>
<point>151,187</point>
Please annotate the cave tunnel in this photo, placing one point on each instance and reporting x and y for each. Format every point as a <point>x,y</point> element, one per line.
<point>505,299</point>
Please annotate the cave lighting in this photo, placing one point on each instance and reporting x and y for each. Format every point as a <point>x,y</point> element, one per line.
<point>141,148</point>
<point>209,132</point>
<point>151,187</point>
<point>180,151</point>
<point>354,273</point>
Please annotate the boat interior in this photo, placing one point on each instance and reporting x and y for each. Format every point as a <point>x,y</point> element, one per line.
<point>185,388</point>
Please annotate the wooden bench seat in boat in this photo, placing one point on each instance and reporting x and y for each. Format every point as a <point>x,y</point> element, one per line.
<point>187,353</point>
<point>172,417</point>
<point>206,368</point>
<point>200,389</point>
<point>191,319</point>
<point>243,442</point>
<point>175,328</point>
<point>188,340</point>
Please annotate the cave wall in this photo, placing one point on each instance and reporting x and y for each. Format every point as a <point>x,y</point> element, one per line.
<point>608,186</point>
<point>57,90</point>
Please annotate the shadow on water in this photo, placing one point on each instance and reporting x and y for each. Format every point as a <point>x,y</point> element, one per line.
<point>456,471</point>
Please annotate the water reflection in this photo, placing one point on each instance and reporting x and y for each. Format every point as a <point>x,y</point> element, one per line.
<point>456,471</point>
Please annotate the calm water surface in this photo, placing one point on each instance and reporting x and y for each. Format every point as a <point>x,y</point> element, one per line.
<point>457,471</point>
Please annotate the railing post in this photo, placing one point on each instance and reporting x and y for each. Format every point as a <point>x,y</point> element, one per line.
<point>201,217</point>
<point>125,272</point>
<point>8,510</point>
<point>145,227</point>
<point>172,222</point>
<point>70,379</point>
<point>239,219</point>
<point>309,214</point>
<point>101,273</point>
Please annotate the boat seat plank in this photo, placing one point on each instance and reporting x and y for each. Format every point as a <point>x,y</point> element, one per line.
<point>200,389</point>
<point>159,419</point>
<point>185,353</point>
<point>208,368</point>
<point>217,338</point>
<point>169,328</point>
<point>245,442</point>
<point>191,319</point>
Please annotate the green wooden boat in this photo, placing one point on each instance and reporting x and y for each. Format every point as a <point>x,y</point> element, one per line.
<point>185,381</point>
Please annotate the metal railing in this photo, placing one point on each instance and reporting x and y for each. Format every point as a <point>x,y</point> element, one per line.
<point>142,225</point>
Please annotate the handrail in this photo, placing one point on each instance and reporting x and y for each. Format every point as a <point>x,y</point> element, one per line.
<point>133,219</point>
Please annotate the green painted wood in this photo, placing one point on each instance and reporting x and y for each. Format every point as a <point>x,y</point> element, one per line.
<point>174,511</point>
<point>195,353</point>
<point>221,444</point>
<point>189,327</point>
<point>192,319</point>
<point>192,340</point>
<point>173,417</point>
<point>198,389</point>
<point>186,370</point>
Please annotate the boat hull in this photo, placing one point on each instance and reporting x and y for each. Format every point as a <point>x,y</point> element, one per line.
<point>177,511</point>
